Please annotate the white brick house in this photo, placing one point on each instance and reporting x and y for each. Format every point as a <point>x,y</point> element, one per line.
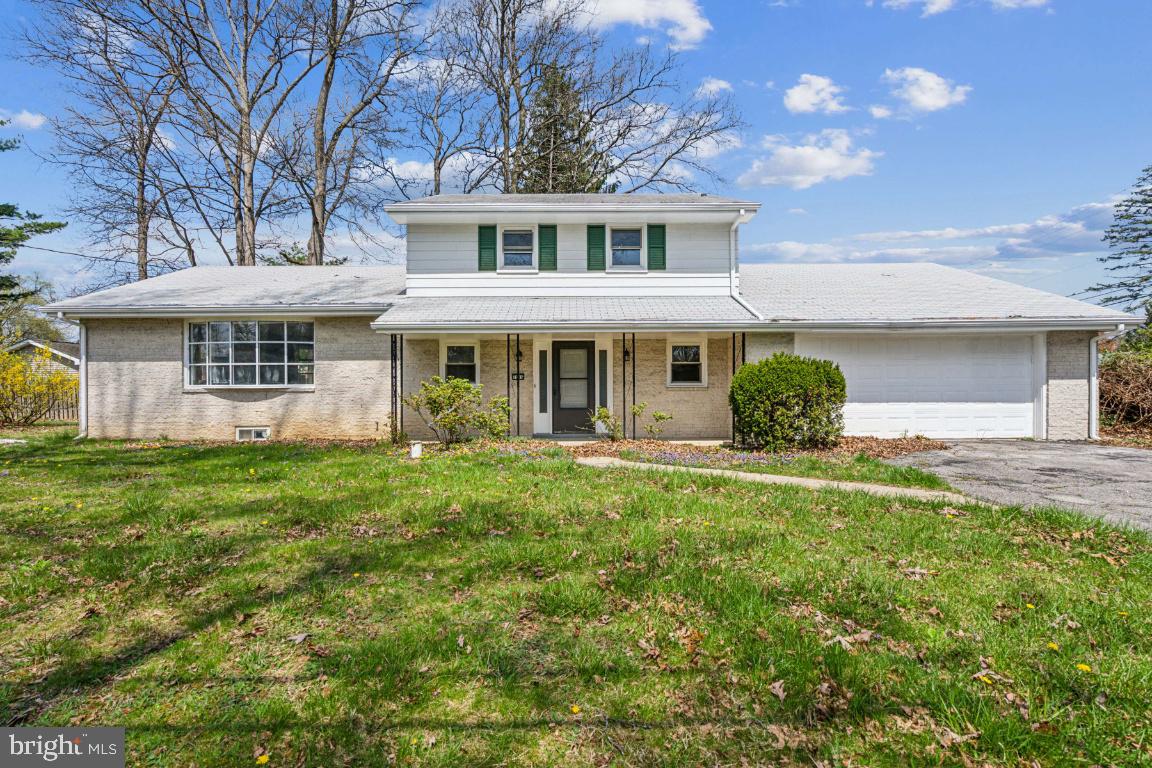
<point>567,302</point>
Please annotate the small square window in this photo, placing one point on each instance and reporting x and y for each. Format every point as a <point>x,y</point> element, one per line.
<point>686,364</point>
<point>626,244</point>
<point>253,434</point>
<point>460,362</point>
<point>518,251</point>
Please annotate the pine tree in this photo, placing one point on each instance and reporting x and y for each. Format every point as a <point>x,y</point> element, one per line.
<point>560,155</point>
<point>1130,241</point>
<point>16,228</point>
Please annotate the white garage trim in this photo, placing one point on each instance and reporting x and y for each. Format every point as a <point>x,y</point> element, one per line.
<point>954,386</point>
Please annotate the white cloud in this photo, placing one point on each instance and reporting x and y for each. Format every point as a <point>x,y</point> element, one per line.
<point>933,7</point>
<point>23,119</point>
<point>681,20</point>
<point>880,112</point>
<point>710,86</point>
<point>719,144</point>
<point>798,211</point>
<point>924,91</point>
<point>814,93</point>
<point>825,156</point>
<point>1059,246</point>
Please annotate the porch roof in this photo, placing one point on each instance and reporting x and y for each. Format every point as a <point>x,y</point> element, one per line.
<point>563,313</point>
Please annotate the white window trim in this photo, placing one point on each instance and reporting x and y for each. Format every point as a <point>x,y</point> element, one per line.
<point>700,341</point>
<point>187,335</point>
<point>253,439</point>
<point>535,250</point>
<point>467,341</point>
<point>643,248</point>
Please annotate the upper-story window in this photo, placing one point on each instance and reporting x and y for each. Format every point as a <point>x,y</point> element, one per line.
<point>250,353</point>
<point>627,247</point>
<point>518,248</point>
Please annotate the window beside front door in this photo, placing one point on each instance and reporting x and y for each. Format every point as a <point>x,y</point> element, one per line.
<point>251,353</point>
<point>687,363</point>
<point>517,248</point>
<point>627,247</point>
<point>460,362</point>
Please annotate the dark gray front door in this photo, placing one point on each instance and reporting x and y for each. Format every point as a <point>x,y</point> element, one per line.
<point>573,392</point>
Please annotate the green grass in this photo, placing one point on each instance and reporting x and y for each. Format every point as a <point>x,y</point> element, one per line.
<point>859,468</point>
<point>339,605</point>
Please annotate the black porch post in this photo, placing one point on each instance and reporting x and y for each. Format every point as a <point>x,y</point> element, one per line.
<point>519,377</point>
<point>508,375</point>
<point>624,382</point>
<point>633,386</point>
<point>393,416</point>
<point>730,384</point>
<point>400,398</point>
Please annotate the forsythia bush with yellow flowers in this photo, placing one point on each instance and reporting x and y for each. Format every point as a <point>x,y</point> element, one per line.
<point>29,390</point>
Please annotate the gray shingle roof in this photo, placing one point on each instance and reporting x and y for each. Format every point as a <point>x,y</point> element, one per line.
<point>256,289</point>
<point>606,311</point>
<point>572,201</point>
<point>901,292</point>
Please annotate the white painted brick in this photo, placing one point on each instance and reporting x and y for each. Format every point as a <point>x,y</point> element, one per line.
<point>1069,384</point>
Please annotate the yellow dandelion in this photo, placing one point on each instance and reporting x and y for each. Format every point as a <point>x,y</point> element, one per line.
<point>1084,667</point>
<point>1121,613</point>
<point>413,742</point>
<point>251,471</point>
<point>575,709</point>
<point>263,522</point>
<point>985,679</point>
<point>1029,605</point>
<point>262,759</point>
<point>356,575</point>
<point>1054,646</point>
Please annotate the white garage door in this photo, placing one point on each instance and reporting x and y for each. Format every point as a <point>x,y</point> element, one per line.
<point>938,386</point>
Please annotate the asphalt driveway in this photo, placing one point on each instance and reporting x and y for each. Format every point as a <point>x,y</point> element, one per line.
<point>1105,481</point>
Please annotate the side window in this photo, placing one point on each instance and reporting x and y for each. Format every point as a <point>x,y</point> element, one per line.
<point>626,245</point>
<point>687,363</point>
<point>460,362</point>
<point>517,247</point>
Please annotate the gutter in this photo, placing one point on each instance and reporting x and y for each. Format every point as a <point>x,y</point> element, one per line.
<point>230,311</point>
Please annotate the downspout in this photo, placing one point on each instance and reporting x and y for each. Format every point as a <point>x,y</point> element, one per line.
<point>1094,381</point>
<point>732,290</point>
<point>82,396</point>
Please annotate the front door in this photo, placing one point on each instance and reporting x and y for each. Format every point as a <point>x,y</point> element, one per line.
<point>572,386</point>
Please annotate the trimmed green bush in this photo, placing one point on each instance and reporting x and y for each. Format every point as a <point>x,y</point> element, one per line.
<point>788,401</point>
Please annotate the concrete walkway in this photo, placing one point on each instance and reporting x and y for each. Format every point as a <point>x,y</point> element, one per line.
<point>804,482</point>
<point>1105,481</point>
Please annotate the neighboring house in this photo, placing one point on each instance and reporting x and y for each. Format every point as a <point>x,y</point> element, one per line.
<point>65,355</point>
<point>566,302</point>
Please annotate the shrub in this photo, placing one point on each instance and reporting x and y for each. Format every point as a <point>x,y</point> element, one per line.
<point>612,425</point>
<point>1126,388</point>
<point>787,401</point>
<point>454,410</point>
<point>30,390</point>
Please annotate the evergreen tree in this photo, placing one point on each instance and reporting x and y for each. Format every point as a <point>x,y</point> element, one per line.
<point>560,154</point>
<point>16,228</point>
<point>1130,240</point>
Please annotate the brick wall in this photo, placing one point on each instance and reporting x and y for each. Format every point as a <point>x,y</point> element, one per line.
<point>698,413</point>
<point>1069,385</point>
<point>136,386</point>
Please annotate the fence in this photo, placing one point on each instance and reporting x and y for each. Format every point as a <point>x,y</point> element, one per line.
<point>67,410</point>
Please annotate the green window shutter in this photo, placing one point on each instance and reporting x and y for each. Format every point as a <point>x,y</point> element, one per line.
<point>657,252</point>
<point>547,247</point>
<point>486,261</point>
<point>595,247</point>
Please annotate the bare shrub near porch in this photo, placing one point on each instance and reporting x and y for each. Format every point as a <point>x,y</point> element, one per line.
<point>655,428</point>
<point>788,402</point>
<point>1126,388</point>
<point>454,410</point>
<point>612,424</point>
<point>29,390</point>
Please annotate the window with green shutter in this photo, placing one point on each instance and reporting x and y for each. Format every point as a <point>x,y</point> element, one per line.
<point>486,258</point>
<point>657,251</point>
<point>547,247</point>
<point>595,247</point>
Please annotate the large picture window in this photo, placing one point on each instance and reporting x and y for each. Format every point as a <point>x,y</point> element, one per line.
<point>251,353</point>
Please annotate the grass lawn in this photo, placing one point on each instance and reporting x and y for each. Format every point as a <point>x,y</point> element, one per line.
<point>339,605</point>
<point>859,468</point>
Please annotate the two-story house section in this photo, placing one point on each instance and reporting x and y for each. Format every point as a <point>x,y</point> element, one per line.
<point>566,303</point>
<point>571,302</point>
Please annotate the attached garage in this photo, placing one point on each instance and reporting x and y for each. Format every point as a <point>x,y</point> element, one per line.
<point>946,386</point>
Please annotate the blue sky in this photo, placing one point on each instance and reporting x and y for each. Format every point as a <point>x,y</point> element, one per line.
<point>985,134</point>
